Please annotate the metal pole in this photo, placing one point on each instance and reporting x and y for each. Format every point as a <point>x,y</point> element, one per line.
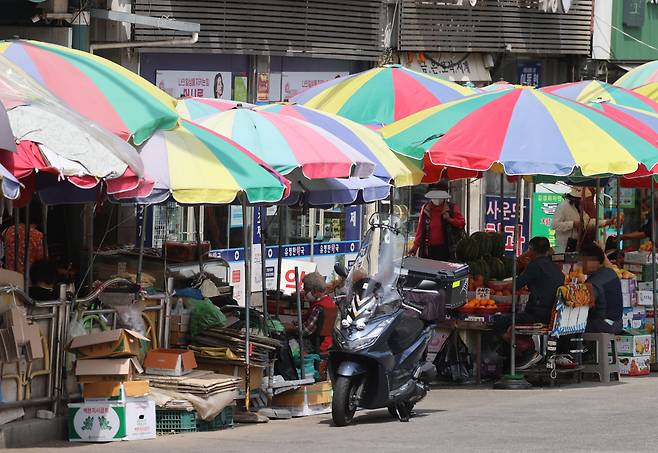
<point>263,264</point>
<point>392,201</point>
<point>502,201</point>
<point>17,225</point>
<point>279,258</point>
<point>44,229</point>
<point>58,354</point>
<point>597,234</point>
<point>197,235</point>
<point>617,204</point>
<point>299,323</point>
<point>247,302</point>
<point>517,234</point>
<point>90,245</point>
<point>141,218</point>
<point>468,206</point>
<point>26,244</point>
<point>653,261</point>
<point>311,231</point>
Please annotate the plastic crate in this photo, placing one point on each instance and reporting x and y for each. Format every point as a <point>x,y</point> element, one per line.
<point>223,420</point>
<point>175,422</point>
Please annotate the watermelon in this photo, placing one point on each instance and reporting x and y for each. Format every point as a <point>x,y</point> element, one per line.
<point>496,243</point>
<point>485,270</point>
<point>483,243</point>
<point>508,262</point>
<point>496,267</point>
<point>467,250</point>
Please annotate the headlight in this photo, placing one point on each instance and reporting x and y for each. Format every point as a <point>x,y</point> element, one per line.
<point>370,338</point>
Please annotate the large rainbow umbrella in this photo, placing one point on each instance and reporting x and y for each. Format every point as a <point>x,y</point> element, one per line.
<point>290,145</point>
<point>194,165</point>
<point>643,79</point>
<point>195,109</point>
<point>98,89</point>
<point>527,131</point>
<point>381,95</point>
<point>597,91</point>
<point>388,166</point>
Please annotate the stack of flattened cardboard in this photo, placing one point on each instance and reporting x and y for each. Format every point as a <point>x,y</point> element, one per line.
<point>116,404</point>
<point>18,334</point>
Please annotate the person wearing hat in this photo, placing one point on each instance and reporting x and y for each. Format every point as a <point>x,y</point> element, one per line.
<point>570,220</point>
<point>439,220</point>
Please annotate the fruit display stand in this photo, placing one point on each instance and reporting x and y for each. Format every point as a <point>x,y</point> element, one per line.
<point>477,328</point>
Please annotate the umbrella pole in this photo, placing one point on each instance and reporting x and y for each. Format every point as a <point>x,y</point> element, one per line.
<point>617,204</point>
<point>90,246</point>
<point>502,202</point>
<point>653,263</point>
<point>141,217</point>
<point>392,201</point>
<point>598,235</point>
<point>26,244</point>
<point>279,256</point>
<point>299,323</point>
<point>468,206</point>
<point>44,229</point>
<point>263,264</point>
<point>197,235</point>
<point>17,224</point>
<point>514,381</point>
<point>247,303</point>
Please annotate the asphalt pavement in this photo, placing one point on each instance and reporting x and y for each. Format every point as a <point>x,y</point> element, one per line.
<point>576,418</point>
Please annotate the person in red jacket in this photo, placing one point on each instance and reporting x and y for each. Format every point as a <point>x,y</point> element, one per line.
<point>439,221</point>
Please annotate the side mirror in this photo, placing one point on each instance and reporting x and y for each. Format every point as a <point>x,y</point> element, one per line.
<point>340,270</point>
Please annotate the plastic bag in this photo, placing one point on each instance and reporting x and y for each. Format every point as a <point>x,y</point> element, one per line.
<point>204,316</point>
<point>130,316</point>
<point>453,362</point>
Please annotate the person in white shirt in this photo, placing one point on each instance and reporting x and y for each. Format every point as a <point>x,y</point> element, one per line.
<point>569,221</point>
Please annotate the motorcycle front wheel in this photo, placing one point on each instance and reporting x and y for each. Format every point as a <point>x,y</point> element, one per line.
<point>344,404</point>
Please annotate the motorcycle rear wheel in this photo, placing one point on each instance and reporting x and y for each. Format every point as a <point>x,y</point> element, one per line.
<point>344,404</point>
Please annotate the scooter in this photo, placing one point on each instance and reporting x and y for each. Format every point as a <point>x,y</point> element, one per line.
<point>379,354</point>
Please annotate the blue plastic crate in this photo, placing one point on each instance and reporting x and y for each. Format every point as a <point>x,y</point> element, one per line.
<point>175,422</point>
<point>223,420</point>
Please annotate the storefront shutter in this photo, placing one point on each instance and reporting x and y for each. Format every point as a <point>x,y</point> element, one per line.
<point>517,26</point>
<point>349,29</point>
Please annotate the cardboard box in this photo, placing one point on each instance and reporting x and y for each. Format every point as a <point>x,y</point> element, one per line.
<point>170,362</point>
<point>115,390</point>
<point>14,319</point>
<point>633,345</point>
<point>8,348</point>
<point>34,345</point>
<point>110,344</point>
<point>634,318</point>
<point>306,395</point>
<point>179,323</point>
<point>94,370</point>
<point>107,422</point>
<point>635,366</point>
<point>646,286</point>
<point>255,373</point>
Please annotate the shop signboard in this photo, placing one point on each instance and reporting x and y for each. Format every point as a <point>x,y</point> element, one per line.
<point>325,255</point>
<point>506,222</point>
<point>235,216</point>
<point>543,209</point>
<point>293,83</point>
<point>529,73</point>
<point>202,84</point>
<point>452,66</point>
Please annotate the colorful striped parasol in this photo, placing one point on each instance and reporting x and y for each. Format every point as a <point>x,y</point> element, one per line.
<point>195,109</point>
<point>197,166</point>
<point>98,89</point>
<point>527,131</point>
<point>643,80</point>
<point>597,91</point>
<point>381,95</point>
<point>388,166</point>
<point>289,144</point>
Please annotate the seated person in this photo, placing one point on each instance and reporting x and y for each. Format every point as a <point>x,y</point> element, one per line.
<point>543,278</point>
<point>43,276</point>
<point>605,288</point>
<point>320,303</point>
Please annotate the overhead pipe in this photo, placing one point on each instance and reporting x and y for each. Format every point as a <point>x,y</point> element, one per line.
<point>132,44</point>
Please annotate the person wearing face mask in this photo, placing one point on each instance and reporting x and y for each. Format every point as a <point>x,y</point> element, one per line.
<point>439,221</point>
<point>321,305</point>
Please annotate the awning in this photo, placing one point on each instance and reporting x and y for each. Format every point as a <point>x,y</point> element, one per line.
<point>457,67</point>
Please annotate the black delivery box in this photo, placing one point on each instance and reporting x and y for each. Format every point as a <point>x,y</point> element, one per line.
<point>428,274</point>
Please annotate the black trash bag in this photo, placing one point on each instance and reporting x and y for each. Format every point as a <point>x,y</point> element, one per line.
<point>285,364</point>
<point>453,362</point>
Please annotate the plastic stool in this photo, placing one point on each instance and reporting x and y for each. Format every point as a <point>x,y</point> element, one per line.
<point>603,368</point>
